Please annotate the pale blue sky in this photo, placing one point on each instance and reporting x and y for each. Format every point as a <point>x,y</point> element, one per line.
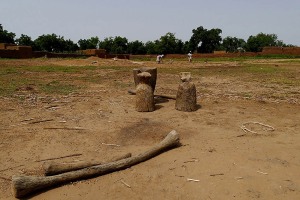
<point>151,19</point>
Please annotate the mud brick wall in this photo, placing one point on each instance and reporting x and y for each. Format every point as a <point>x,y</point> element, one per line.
<point>14,51</point>
<point>281,51</point>
<point>7,53</point>
<point>119,56</point>
<point>93,52</point>
<point>5,45</point>
<point>39,54</point>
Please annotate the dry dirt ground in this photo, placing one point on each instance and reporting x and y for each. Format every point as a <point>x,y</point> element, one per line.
<point>224,161</point>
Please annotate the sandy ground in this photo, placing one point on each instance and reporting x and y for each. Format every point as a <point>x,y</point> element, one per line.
<point>224,161</point>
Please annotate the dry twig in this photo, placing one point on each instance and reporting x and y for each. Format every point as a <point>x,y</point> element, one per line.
<point>125,184</point>
<point>65,128</point>
<point>36,122</point>
<point>117,145</point>
<point>264,173</point>
<point>220,174</point>
<point>72,155</point>
<point>194,180</point>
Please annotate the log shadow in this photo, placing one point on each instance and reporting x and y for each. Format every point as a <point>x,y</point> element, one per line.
<point>157,107</point>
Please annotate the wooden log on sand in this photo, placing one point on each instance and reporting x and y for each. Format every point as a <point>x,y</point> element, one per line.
<point>25,185</point>
<point>54,168</point>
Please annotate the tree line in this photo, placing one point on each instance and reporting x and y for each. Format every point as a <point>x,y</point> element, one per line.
<point>202,41</point>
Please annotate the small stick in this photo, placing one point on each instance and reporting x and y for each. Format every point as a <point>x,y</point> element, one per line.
<point>264,173</point>
<point>117,145</point>
<point>72,155</point>
<point>238,178</point>
<point>66,128</point>
<point>195,160</point>
<point>53,106</point>
<point>194,180</point>
<point>45,120</point>
<point>246,129</point>
<point>125,184</point>
<point>26,120</point>
<point>220,174</point>
<point>242,135</point>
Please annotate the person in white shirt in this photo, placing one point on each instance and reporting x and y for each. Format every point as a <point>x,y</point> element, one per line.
<point>190,56</point>
<point>159,58</point>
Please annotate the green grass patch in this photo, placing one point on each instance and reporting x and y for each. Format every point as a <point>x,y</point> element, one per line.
<point>262,69</point>
<point>57,87</point>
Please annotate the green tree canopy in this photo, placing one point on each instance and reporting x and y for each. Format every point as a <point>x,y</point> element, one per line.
<point>169,44</point>
<point>233,44</point>
<point>91,43</point>
<point>6,37</point>
<point>54,43</point>
<point>24,40</point>
<point>205,41</point>
<point>256,43</point>
<point>136,47</point>
<point>117,45</point>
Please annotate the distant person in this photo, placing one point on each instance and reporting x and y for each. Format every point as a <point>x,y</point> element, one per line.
<point>190,56</point>
<point>159,58</point>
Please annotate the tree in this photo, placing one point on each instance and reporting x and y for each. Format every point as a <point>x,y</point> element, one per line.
<point>117,45</point>
<point>92,43</point>
<point>152,47</point>
<point>169,44</point>
<point>205,41</point>
<point>54,43</point>
<point>120,45</point>
<point>136,47</point>
<point>24,40</point>
<point>70,46</point>
<point>106,44</point>
<point>6,37</point>
<point>233,44</point>
<point>256,43</point>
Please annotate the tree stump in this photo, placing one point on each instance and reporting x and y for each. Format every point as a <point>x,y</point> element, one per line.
<point>186,99</point>
<point>144,94</point>
<point>151,70</point>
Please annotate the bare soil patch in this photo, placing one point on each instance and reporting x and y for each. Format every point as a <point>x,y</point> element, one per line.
<point>57,107</point>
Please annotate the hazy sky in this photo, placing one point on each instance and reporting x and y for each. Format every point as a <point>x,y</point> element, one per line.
<point>149,20</point>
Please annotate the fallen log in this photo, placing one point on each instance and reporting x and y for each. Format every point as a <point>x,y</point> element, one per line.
<point>25,185</point>
<point>133,92</point>
<point>54,168</point>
